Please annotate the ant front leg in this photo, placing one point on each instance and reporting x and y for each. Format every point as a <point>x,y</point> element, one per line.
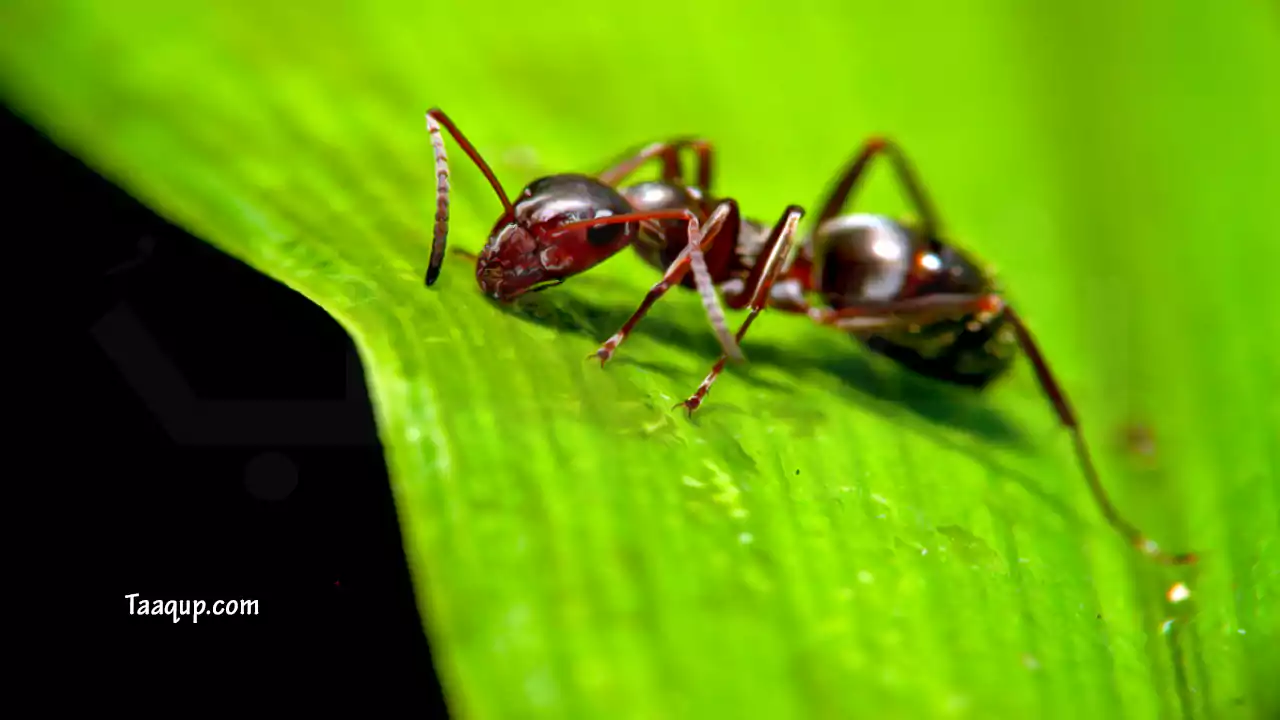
<point>691,258</point>
<point>669,153</point>
<point>772,259</point>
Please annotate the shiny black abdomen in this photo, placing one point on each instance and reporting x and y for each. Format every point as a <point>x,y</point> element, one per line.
<point>964,351</point>
<point>872,258</point>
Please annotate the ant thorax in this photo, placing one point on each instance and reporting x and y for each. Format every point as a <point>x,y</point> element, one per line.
<point>660,241</point>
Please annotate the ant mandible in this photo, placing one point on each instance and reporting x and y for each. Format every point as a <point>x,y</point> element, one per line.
<point>562,225</point>
<point>909,295</point>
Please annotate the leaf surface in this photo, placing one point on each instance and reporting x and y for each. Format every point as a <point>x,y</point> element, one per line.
<point>831,536</point>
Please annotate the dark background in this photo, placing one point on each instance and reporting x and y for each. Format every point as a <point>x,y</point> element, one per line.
<point>243,503</point>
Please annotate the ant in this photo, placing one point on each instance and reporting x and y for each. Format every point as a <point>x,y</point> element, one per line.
<point>907,294</point>
<point>563,225</point>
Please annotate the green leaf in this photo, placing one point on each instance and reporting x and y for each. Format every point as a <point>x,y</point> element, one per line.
<point>831,536</point>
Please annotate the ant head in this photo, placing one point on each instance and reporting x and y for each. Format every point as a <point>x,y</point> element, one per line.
<point>549,235</point>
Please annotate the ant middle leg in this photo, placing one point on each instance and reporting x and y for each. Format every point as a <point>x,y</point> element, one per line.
<point>773,257</point>
<point>669,153</point>
<point>690,258</point>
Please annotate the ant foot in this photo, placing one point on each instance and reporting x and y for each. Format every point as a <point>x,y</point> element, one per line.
<point>1149,547</point>
<point>603,354</point>
<point>693,403</point>
<point>606,350</point>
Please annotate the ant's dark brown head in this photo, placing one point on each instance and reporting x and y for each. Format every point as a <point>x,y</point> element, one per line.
<point>546,238</point>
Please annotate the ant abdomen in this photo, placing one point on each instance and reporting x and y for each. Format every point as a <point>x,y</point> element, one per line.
<point>962,351</point>
<point>871,258</point>
<point>862,258</point>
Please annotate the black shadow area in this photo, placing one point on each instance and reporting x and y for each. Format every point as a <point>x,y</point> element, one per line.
<point>235,454</point>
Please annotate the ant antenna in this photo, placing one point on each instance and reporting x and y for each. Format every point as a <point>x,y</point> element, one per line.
<point>440,234</point>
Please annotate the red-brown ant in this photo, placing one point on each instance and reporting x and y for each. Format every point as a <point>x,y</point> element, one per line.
<point>563,225</point>
<point>907,294</point>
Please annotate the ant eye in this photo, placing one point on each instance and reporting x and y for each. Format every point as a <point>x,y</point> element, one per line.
<point>604,234</point>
